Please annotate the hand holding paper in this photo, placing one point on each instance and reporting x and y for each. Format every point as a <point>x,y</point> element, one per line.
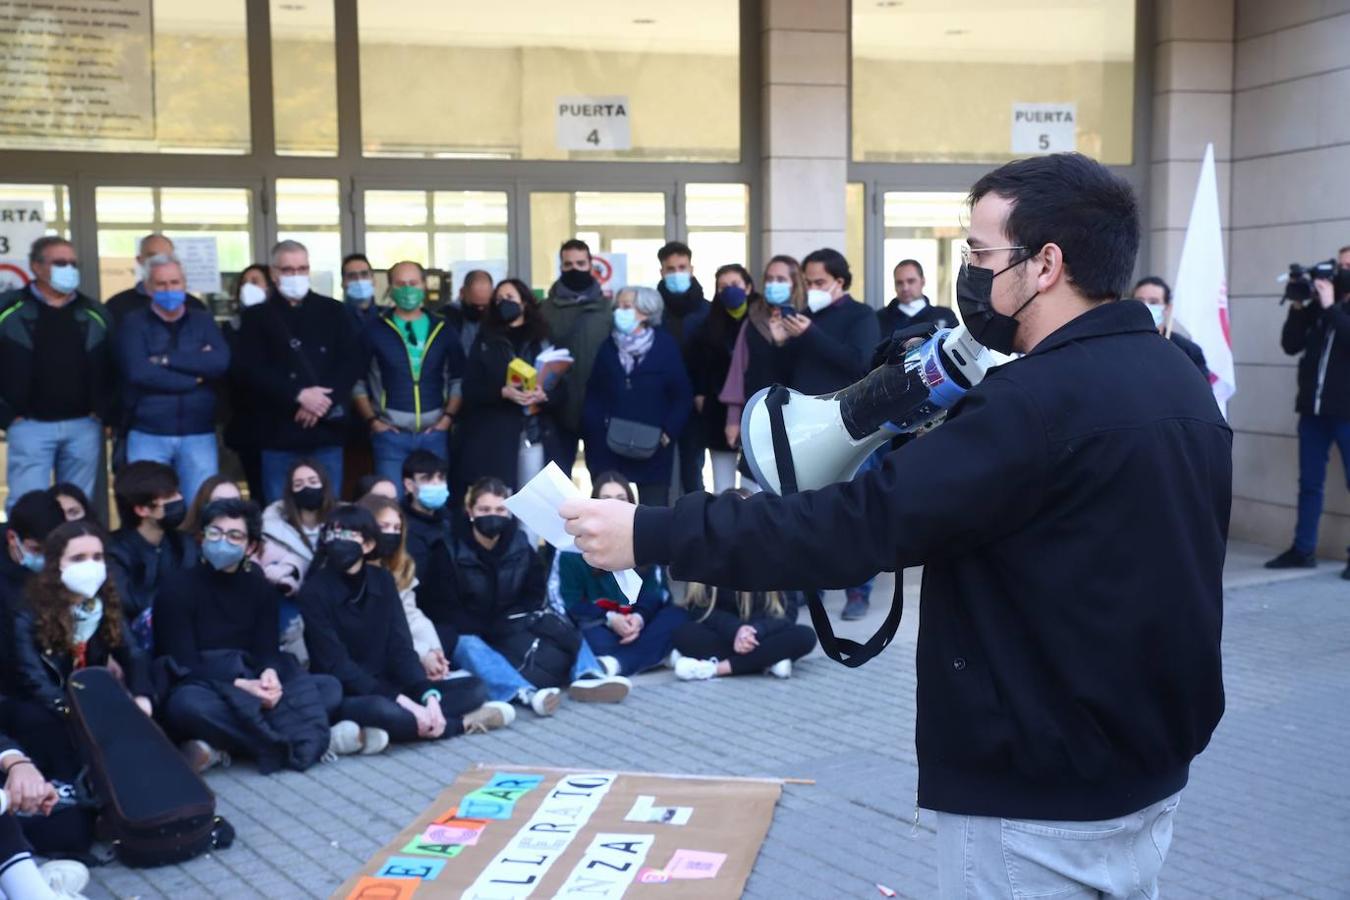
<point>551,506</point>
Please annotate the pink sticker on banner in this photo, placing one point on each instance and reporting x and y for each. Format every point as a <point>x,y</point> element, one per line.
<point>695,864</point>
<point>451,834</point>
<point>648,875</point>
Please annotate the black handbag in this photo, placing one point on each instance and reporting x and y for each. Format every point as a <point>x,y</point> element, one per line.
<point>632,440</point>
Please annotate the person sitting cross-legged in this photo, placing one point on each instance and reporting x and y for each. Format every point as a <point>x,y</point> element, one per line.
<point>25,791</point>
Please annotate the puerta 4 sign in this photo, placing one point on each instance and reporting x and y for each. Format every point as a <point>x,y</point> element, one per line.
<point>593,123</point>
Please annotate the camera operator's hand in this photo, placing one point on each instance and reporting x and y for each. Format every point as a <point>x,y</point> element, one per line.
<point>1326,292</point>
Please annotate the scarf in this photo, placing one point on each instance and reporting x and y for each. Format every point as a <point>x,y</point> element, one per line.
<point>87,618</point>
<point>632,347</point>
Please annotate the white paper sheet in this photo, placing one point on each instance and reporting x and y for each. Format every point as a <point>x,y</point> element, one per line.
<point>536,505</point>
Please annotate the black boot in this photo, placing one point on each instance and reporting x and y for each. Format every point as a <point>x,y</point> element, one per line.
<point>1293,559</point>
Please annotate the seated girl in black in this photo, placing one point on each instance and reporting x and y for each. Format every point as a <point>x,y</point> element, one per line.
<point>73,620</point>
<point>736,633</point>
<point>355,630</point>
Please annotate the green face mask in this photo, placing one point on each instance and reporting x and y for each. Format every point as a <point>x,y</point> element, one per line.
<point>408,297</point>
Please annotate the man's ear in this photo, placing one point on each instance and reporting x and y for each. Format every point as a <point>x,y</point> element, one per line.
<point>1049,266</point>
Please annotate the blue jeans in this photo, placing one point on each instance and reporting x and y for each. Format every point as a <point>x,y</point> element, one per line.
<point>502,680</point>
<point>194,457</point>
<point>1316,434</point>
<point>649,650</point>
<point>391,448</point>
<point>276,463</point>
<point>69,447</point>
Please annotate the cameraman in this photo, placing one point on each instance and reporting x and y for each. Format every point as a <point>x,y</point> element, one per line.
<point>1319,328</point>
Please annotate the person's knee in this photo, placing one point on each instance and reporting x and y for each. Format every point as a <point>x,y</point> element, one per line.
<point>186,710</point>
<point>803,641</point>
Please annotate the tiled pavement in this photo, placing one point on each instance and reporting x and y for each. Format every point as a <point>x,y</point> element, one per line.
<point>1267,813</point>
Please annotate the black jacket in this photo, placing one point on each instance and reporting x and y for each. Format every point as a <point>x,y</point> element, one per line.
<point>725,615</point>
<point>201,609</point>
<point>707,356</point>
<point>13,577</point>
<point>42,674</point>
<point>485,592</point>
<point>1072,521</point>
<point>891,318</point>
<point>282,350</point>
<point>1323,337</point>
<point>1193,351</point>
<point>835,351</point>
<point>139,568</point>
<point>683,313</point>
<point>355,630</point>
<point>425,534</point>
<point>18,319</point>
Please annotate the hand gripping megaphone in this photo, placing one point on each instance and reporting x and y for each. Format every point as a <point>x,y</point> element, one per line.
<point>794,442</point>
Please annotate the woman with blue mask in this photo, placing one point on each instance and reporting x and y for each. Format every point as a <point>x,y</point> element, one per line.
<point>638,398</point>
<point>232,692</point>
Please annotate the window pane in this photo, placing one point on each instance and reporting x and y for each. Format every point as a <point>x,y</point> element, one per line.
<point>304,78</point>
<point>170,76</point>
<point>396,207</point>
<point>631,224</point>
<point>309,211</point>
<point>460,227</point>
<point>925,226</point>
<point>55,200</point>
<point>716,216</point>
<point>855,240</point>
<point>486,80</point>
<point>191,206</point>
<point>938,82</point>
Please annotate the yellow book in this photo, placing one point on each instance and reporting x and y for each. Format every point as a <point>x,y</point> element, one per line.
<point>521,375</point>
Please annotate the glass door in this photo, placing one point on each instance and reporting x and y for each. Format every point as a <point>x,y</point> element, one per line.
<point>926,226</point>
<point>624,229</point>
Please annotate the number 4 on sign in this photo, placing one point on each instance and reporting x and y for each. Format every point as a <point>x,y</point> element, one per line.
<point>594,137</point>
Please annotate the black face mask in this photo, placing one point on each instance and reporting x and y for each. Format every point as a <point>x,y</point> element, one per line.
<point>309,499</point>
<point>1340,285</point>
<point>509,310</point>
<point>491,526</point>
<point>974,287</point>
<point>576,280</point>
<point>175,511</point>
<point>386,544</point>
<point>342,555</point>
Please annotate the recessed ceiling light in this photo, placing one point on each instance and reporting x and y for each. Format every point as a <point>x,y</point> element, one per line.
<point>888,4</point>
<point>644,21</point>
<point>956,32</point>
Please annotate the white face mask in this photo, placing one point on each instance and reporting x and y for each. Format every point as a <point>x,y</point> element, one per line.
<point>85,577</point>
<point>250,294</point>
<point>816,299</point>
<point>293,287</point>
<point>87,620</point>
<point>913,307</point>
<point>1158,311</point>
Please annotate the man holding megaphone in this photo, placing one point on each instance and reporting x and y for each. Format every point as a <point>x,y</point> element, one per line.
<point>1072,517</point>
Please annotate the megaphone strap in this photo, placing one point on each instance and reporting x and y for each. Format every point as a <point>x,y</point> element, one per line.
<point>779,397</point>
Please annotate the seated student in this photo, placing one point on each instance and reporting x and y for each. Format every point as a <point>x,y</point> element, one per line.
<point>236,693</point>
<point>637,636</point>
<point>392,554</point>
<point>74,502</point>
<point>27,791</point>
<point>356,631</point>
<point>425,492</point>
<point>375,485</point>
<point>217,487</point>
<point>34,516</point>
<point>491,591</point>
<point>149,545</point>
<point>290,536</point>
<point>73,620</point>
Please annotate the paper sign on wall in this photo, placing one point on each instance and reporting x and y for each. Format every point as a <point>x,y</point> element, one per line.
<point>611,270</point>
<point>593,123</point>
<point>21,223</point>
<point>201,263</point>
<point>497,268</point>
<point>1044,128</point>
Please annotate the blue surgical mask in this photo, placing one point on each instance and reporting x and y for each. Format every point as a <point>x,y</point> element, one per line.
<point>432,496</point>
<point>778,292</point>
<point>293,287</point>
<point>1157,311</point>
<point>678,282</point>
<point>221,554</point>
<point>65,278</point>
<point>361,291</point>
<point>33,562</point>
<point>625,320</point>
<point>169,300</point>
<point>732,296</point>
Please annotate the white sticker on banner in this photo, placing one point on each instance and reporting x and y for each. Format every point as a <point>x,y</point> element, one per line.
<point>1044,128</point>
<point>21,223</point>
<point>608,866</point>
<point>201,263</point>
<point>593,123</point>
<point>645,810</point>
<point>516,871</point>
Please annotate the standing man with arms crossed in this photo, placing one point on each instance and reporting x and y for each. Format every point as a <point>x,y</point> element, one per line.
<point>1066,677</point>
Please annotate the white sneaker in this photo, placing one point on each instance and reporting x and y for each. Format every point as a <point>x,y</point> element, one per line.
<point>781,669</point>
<point>689,669</point>
<point>600,689</point>
<point>65,877</point>
<point>609,664</point>
<point>674,657</point>
<point>545,701</point>
<point>489,717</point>
<point>373,741</point>
<point>344,739</point>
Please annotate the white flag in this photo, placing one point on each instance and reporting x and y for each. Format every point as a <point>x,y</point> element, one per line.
<point>1201,289</point>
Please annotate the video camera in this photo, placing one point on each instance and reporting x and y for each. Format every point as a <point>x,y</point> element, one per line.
<point>1299,280</point>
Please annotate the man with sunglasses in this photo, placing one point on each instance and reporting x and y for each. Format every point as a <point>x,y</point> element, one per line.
<point>1067,674</point>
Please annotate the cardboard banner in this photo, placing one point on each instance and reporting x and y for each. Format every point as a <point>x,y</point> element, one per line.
<point>511,832</point>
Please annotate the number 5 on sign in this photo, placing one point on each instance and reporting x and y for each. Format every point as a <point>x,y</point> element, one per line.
<point>1044,128</point>
<point>593,123</point>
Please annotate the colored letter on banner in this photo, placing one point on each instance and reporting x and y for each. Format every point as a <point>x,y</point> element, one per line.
<point>407,867</point>
<point>420,846</point>
<point>695,864</point>
<point>497,799</point>
<point>369,888</point>
<point>608,866</point>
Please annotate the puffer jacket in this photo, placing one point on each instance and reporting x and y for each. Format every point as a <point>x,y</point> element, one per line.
<point>178,395</point>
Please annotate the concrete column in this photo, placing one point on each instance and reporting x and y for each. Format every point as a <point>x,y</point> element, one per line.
<point>806,124</point>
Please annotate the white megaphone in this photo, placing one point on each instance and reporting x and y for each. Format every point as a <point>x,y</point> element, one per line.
<point>794,442</point>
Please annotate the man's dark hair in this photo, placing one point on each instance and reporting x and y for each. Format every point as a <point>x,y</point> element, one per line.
<point>39,247</point>
<point>575,244</point>
<point>908,262</point>
<point>834,263</point>
<point>354,257</point>
<point>1076,203</point>
<point>1156,282</point>
<point>141,483</point>
<point>673,248</point>
<point>423,462</point>
<point>35,515</point>
<point>1344,249</point>
<point>232,508</point>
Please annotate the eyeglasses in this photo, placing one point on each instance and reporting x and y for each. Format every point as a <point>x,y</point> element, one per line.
<point>234,535</point>
<point>968,251</point>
